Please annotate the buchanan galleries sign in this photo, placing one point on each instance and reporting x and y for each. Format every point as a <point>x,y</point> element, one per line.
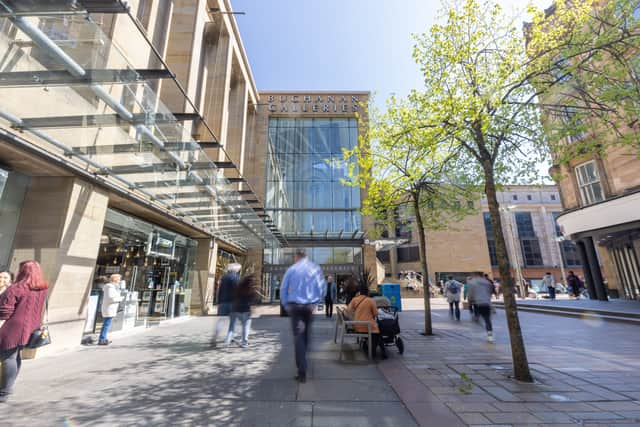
<point>313,103</point>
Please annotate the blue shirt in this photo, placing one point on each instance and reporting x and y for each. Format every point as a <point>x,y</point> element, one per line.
<point>303,283</point>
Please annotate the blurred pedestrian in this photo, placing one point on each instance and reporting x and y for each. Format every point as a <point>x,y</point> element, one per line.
<point>574,283</point>
<point>111,297</point>
<point>480,291</point>
<point>225,299</point>
<point>244,296</point>
<point>302,288</point>
<point>5,280</point>
<point>550,282</point>
<point>351,289</point>
<point>452,291</point>
<point>466,296</point>
<point>331,296</point>
<point>21,306</point>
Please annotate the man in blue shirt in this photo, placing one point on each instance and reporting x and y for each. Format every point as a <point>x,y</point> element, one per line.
<point>302,288</point>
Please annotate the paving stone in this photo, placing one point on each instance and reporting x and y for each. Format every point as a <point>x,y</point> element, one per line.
<point>365,414</point>
<point>554,417</point>
<point>512,417</point>
<point>347,390</point>
<point>617,406</point>
<point>502,394</point>
<point>473,418</point>
<point>594,415</point>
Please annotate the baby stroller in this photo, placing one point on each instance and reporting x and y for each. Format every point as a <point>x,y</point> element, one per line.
<point>389,326</point>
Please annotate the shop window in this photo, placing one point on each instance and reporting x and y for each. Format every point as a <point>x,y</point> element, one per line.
<point>491,243</point>
<point>589,183</point>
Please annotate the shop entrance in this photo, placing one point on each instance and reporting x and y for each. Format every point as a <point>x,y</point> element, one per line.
<point>155,265</point>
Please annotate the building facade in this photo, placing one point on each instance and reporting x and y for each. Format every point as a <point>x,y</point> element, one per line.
<point>534,242</point>
<point>302,168</point>
<point>133,141</point>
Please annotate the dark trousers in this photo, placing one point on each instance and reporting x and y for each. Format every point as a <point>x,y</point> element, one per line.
<point>552,292</point>
<point>484,310</point>
<point>378,342</point>
<point>11,363</point>
<point>328,307</point>
<point>454,307</point>
<point>301,316</point>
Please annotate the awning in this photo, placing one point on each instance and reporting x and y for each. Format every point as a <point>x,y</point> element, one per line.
<point>111,106</point>
<point>617,211</point>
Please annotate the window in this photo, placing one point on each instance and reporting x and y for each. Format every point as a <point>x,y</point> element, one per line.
<point>491,243</point>
<point>589,183</point>
<point>553,197</point>
<point>383,256</point>
<point>570,254</point>
<point>528,240</point>
<point>470,204</point>
<point>408,254</point>
<point>514,197</point>
<point>529,197</point>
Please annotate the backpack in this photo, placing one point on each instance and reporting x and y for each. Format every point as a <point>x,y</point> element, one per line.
<point>453,287</point>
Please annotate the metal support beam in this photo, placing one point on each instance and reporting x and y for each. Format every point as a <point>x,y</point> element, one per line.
<point>103,120</point>
<point>142,147</point>
<point>62,77</point>
<point>166,167</point>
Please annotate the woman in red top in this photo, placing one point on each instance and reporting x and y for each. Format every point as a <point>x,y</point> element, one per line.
<point>21,306</point>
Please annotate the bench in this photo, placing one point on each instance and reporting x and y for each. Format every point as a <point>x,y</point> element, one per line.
<point>346,329</point>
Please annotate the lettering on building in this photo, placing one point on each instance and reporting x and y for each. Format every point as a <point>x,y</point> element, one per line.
<point>315,104</point>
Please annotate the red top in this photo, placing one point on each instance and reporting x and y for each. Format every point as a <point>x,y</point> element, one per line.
<point>21,307</point>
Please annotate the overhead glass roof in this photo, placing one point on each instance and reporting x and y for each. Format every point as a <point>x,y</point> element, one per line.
<point>111,106</point>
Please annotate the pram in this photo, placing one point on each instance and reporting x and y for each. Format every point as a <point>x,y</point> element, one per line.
<point>389,325</point>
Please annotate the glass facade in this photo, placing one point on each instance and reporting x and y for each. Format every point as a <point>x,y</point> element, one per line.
<point>307,198</point>
<point>528,240</point>
<point>13,187</point>
<point>306,172</point>
<point>156,265</point>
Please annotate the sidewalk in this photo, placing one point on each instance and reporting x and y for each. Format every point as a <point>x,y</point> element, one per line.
<point>619,306</point>
<point>170,376</point>
<point>587,373</point>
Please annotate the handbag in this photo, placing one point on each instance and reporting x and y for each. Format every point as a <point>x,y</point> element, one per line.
<point>41,336</point>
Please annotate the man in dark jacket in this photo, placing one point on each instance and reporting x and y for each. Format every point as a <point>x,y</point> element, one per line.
<point>225,299</point>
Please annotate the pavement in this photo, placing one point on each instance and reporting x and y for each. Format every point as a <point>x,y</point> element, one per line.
<point>619,306</point>
<point>587,373</point>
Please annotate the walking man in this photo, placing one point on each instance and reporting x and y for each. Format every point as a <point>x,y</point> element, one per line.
<point>330,297</point>
<point>452,289</point>
<point>302,289</point>
<point>226,292</point>
<point>550,282</point>
<point>480,291</point>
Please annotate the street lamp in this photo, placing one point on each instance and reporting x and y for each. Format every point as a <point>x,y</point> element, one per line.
<point>512,235</point>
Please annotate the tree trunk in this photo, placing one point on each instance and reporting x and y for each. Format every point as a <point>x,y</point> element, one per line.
<point>518,352</point>
<point>423,264</point>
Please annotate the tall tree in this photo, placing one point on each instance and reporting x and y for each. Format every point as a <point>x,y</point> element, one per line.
<point>476,92</point>
<point>408,165</point>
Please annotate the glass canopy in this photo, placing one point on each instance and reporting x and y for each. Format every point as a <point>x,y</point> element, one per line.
<point>112,107</point>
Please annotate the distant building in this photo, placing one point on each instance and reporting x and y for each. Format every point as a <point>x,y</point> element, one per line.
<point>530,229</point>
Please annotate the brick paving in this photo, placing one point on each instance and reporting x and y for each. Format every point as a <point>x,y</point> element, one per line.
<point>587,372</point>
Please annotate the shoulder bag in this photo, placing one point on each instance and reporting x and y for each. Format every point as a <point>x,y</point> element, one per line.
<point>41,337</point>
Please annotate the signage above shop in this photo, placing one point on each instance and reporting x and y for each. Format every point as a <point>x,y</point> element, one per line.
<point>314,104</point>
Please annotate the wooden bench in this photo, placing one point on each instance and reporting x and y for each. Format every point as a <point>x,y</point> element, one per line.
<point>346,329</point>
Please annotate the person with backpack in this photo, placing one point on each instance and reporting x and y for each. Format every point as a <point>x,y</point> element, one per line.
<point>452,289</point>
<point>575,284</point>
<point>480,292</point>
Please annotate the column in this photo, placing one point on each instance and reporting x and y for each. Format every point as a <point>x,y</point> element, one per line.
<point>60,226</point>
<point>594,266</point>
<point>204,277</point>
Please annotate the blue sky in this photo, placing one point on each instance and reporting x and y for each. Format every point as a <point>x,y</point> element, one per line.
<point>338,44</point>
